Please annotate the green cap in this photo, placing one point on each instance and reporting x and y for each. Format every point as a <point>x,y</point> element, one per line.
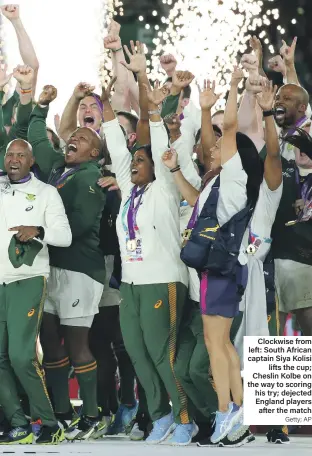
<point>23,252</point>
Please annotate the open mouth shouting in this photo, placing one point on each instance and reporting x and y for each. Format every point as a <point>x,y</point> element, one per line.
<point>280,114</point>
<point>89,121</point>
<point>134,171</point>
<point>14,169</point>
<point>71,149</point>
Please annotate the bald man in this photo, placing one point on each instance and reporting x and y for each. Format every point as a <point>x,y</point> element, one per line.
<point>32,215</point>
<point>290,106</point>
<point>77,274</point>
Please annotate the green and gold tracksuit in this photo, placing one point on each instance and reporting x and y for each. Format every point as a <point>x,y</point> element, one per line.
<point>21,307</point>
<point>150,318</point>
<point>84,202</point>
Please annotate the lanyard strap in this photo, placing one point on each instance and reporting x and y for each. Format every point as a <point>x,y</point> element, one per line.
<point>64,176</point>
<point>133,209</point>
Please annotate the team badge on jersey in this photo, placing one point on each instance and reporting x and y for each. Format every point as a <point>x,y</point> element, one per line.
<point>31,197</point>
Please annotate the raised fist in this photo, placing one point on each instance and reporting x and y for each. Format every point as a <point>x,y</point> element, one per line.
<point>48,94</point>
<point>11,12</point>
<point>24,74</point>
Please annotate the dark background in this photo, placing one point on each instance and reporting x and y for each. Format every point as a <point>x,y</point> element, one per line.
<point>300,10</point>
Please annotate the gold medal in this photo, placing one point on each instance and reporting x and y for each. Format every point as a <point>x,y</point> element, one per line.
<point>291,223</point>
<point>131,245</point>
<point>251,249</point>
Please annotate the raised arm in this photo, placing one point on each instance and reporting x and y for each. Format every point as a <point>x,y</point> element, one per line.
<point>288,55</point>
<point>138,65</point>
<point>69,118</point>
<point>272,165</point>
<point>188,192</point>
<point>228,144</point>
<point>207,100</point>
<point>25,76</point>
<point>46,157</point>
<point>183,144</point>
<point>26,47</point>
<point>4,80</point>
<point>116,142</point>
<point>159,135</point>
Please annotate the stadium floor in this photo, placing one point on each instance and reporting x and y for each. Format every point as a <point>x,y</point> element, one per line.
<point>119,446</point>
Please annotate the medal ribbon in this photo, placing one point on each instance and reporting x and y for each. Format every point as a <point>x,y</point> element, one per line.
<point>304,192</point>
<point>298,124</point>
<point>22,181</point>
<point>133,209</point>
<point>66,175</point>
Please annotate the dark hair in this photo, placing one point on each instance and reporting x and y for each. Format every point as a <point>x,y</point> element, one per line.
<point>252,164</point>
<point>148,150</point>
<point>133,120</point>
<point>186,92</point>
<point>302,141</point>
<point>216,129</point>
<point>55,139</point>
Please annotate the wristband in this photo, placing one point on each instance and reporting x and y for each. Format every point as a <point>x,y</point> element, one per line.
<point>174,170</point>
<point>116,50</point>
<point>28,88</point>
<point>268,113</point>
<point>151,113</point>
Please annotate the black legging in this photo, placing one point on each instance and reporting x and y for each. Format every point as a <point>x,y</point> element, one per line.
<point>106,344</point>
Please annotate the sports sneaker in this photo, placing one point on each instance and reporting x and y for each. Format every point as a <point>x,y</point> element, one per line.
<point>65,419</point>
<point>82,428</point>
<point>136,434</point>
<point>21,435</point>
<point>238,430</point>
<point>183,434</point>
<point>50,435</point>
<point>246,438</point>
<point>162,428</point>
<point>225,421</point>
<point>128,415</point>
<point>102,427</point>
<point>277,436</point>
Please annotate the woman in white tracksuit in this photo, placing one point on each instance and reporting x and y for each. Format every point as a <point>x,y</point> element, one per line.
<point>154,279</point>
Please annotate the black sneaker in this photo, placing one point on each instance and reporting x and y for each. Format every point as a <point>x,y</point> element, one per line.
<point>247,437</point>
<point>82,428</point>
<point>277,436</point>
<point>205,430</point>
<point>22,435</point>
<point>50,435</point>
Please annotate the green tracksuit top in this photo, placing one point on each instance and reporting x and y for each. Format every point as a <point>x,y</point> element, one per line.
<point>83,199</point>
<point>19,128</point>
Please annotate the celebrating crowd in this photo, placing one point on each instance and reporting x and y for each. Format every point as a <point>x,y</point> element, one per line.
<point>146,236</point>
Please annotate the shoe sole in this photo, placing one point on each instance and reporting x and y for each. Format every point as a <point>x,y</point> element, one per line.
<point>27,441</point>
<point>239,433</point>
<point>83,437</point>
<point>231,423</point>
<point>279,442</point>
<point>156,442</point>
<point>250,438</point>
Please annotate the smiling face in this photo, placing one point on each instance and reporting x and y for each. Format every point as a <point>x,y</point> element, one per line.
<point>18,160</point>
<point>83,145</point>
<point>216,156</point>
<point>89,114</point>
<point>290,105</point>
<point>142,168</point>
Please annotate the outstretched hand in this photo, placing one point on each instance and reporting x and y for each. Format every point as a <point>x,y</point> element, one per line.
<point>48,94</point>
<point>207,95</point>
<point>182,79</point>
<point>266,98</point>
<point>137,58</point>
<point>158,95</point>
<point>237,76</point>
